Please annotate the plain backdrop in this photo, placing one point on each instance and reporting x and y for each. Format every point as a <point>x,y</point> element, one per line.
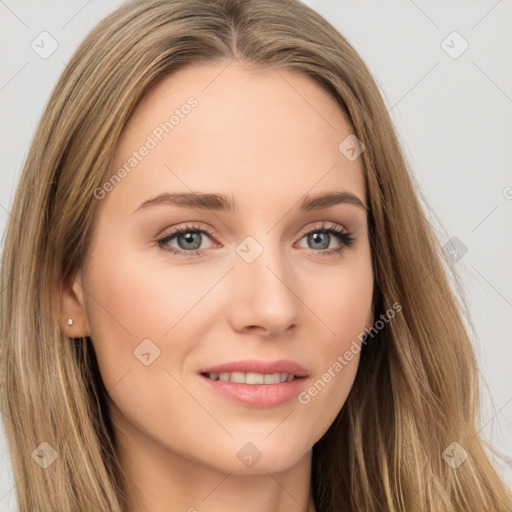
<point>445,71</point>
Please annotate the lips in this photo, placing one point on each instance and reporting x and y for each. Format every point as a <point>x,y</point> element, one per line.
<point>256,383</point>
<point>258,366</point>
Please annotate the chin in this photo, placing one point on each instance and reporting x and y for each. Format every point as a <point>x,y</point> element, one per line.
<point>257,455</point>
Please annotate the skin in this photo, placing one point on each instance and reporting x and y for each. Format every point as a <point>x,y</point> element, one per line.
<point>267,138</point>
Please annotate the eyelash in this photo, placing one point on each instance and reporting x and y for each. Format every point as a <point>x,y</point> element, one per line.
<point>343,236</point>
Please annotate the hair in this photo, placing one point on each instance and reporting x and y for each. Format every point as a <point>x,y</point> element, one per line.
<point>416,390</point>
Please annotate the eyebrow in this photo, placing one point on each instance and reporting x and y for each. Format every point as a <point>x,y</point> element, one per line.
<point>221,202</point>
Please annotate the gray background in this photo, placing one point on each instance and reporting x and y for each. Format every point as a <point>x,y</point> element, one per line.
<point>453,115</point>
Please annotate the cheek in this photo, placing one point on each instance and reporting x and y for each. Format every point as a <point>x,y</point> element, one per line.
<point>140,296</point>
<point>137,315</point>
<point>344,309</point>
<point>342,301</point>
<point>130,301</point>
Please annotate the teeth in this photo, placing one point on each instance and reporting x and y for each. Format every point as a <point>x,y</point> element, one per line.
<point>252,378</point>
<point>236,377</point>
<point>272,378</point>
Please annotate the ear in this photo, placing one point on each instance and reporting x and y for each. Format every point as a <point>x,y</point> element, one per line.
<point>70,303</point>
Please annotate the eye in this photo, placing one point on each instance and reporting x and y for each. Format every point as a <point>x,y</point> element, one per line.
<point>320,237</point>
<point>189,239</point>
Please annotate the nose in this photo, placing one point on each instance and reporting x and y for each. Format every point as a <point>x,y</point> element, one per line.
<point>263,298</point>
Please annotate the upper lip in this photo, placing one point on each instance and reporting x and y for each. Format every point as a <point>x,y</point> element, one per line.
<point>258,366</point>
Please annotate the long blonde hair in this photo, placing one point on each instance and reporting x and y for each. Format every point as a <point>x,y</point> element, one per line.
<point>416,390</point>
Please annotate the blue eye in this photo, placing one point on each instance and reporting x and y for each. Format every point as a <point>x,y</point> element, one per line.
<point>189,240</point>
<point>318,235</point>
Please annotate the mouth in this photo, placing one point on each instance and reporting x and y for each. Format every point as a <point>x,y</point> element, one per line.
<point>256,383</point>
<point>252,377</point>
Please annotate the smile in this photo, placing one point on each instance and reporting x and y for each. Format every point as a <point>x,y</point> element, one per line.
<point>251,377</point>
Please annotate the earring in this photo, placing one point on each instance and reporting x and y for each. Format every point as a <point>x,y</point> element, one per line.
<point>70,321</point>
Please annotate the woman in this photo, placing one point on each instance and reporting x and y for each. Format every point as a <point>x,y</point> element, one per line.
<point>173,339</point>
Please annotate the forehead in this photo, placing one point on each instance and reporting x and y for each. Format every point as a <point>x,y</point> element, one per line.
<point>250,132</point>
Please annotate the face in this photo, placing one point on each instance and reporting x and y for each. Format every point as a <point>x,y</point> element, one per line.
<point>251,276</point>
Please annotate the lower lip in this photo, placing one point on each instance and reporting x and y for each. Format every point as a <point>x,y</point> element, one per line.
<point>257,395</point>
